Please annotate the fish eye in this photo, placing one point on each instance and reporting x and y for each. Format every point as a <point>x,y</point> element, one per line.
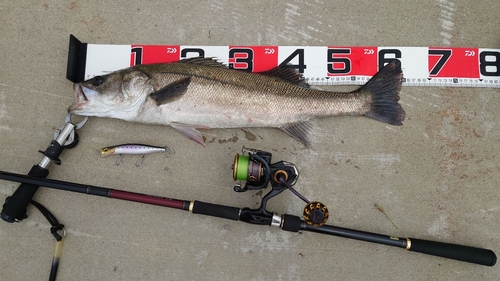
<point>98,81</point>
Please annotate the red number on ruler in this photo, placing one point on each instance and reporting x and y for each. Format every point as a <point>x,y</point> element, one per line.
<point>253,58</point>
<point>148,54</point>
<point>453,62</point>
<point>354,61</point>
<point>241,59</point>
<point>136,56</point>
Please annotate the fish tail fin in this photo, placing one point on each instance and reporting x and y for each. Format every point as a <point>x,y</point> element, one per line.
<point>384,89</point>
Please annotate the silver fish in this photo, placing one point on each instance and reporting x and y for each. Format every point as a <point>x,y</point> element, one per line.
<point>200,93</point>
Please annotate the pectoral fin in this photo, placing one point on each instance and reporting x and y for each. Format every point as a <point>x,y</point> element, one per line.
<point>190,131</point>
<point>171,92</point>
<point>300,131</point>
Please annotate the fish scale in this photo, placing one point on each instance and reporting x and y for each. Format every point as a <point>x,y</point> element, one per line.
<point>268,102</point>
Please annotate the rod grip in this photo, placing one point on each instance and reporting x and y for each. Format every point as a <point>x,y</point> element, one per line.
<point>291,223</point>
<point>15,205</point>
<point>214,210</point>
<point>453,251</point>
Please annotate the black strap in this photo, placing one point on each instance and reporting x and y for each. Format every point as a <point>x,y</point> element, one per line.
<point>56,226</point>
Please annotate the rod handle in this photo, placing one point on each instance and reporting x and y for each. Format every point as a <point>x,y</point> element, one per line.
<point>14,207</point>
<point>214,210</point>
<point>453,251</point>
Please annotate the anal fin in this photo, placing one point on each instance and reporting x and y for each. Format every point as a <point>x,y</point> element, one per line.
<point>300,131</point>
<point>190,131</point>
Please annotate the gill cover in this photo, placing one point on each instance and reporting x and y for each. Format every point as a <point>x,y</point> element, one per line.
<point>116,95</point>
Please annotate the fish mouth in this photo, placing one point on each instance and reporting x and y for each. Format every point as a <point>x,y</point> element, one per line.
<point>81,99</point>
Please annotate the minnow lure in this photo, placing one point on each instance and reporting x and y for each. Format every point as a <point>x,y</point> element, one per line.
<point>134,148</point>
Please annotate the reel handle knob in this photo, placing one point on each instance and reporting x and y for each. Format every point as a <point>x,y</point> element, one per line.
<point>316,213</point>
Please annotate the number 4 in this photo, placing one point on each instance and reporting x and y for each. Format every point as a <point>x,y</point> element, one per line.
<point>301,66</point>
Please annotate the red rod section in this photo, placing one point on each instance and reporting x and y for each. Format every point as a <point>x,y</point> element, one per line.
<point>149,199</point>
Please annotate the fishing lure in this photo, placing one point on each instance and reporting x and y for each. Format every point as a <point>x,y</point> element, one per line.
<point>134,148</point>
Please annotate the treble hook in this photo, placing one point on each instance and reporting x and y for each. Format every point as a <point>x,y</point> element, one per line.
<point>139,163</point>
<point>118,160</point>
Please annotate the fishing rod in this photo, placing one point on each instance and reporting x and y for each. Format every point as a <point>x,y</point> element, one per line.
<point>256,169</point>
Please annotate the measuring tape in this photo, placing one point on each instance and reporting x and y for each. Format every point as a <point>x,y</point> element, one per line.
<point>328,65</point>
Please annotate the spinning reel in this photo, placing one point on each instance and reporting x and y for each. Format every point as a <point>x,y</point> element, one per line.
<point>256,169</point>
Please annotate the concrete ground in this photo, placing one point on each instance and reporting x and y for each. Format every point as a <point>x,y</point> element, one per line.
<point>436,176</point>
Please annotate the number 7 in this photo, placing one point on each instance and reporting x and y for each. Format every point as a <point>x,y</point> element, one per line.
<point>445,56</point>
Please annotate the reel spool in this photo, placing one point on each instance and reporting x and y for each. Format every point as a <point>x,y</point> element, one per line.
<point>254,168</point>
<point>245,169</point>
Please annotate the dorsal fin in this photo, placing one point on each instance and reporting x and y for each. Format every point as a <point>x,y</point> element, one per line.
<point>287,74</point>
<point>204,61</point>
